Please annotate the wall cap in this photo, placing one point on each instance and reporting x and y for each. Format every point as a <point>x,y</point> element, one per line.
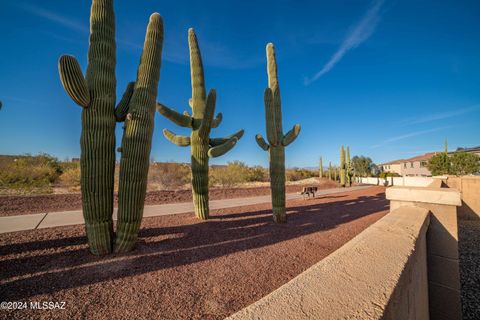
<point>432,195</point>
<point>357,281</point>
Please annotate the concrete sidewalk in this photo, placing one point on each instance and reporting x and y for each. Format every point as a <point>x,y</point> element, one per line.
<point>67,218</point>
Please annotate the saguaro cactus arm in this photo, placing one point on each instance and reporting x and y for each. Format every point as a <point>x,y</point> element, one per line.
<point>183,120</point>
<point>220,150</point>
<point>181,141</point>
<point>73,80</point>
<point>218,119</point>
<point>261,142</point>
<point>121,110</point>
<point>218,141</point>
<point>291,135</point>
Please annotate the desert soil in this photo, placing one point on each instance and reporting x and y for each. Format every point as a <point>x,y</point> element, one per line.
<point>182,268</point>
<point>15,205</point>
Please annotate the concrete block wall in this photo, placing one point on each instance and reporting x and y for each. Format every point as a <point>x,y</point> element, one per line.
<point>469,187</point>
<point>442,244</point>
<point>380,274</point>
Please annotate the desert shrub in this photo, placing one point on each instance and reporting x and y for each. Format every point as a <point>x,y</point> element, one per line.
<point>233,173</point>
<point>257,174</point>
<point>29,174</point>
<point>296,174</point>
<point>70,178</point>
<point>168,175</point>
<point>388,174</point>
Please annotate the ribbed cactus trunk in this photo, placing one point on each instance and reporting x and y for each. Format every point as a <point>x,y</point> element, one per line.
<point>201,122</point>
<point>330,170</point>
<point>96,93</point>
<point>342,166</point>
<point>320,170</point>
<point>277,183</point>
<point>348,168</point>
<point>137,139</point>
<point>277,141</point>
<point>199,163</point>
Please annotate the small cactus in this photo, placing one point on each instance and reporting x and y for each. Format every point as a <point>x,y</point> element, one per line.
<point>320,173</point>
<point>201,122</point>
<point>277,141</point>
<point>330,170</point>
<point>342,167</point>
<point>348,167</point>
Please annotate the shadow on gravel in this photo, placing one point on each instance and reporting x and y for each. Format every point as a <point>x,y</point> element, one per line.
<point>70,264</point>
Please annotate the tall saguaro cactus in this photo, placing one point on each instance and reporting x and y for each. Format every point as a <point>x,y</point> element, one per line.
<point>342,167</point>
<point>96,94</point>
<point>277,140</point>
<point>321,168</point>
<point>137,138</point>
<point>348,167</point>
<point>201,122</point>
<point>330,170</point>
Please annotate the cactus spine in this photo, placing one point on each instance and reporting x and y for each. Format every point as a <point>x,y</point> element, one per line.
<point>277,141</point>
<point>201,122</point>
<point>321,168</point>
<point>342,166</point>
<point>96,94</point>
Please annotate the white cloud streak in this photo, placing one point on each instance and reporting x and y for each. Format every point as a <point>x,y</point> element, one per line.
<point>439,116</point>
<point>408,135</point>
<point>53,17</point>
<point>359,34</point>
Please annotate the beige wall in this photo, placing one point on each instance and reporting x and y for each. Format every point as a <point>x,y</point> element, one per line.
<point>442,243</point>
<point>394,168</point>
<point>469,187</point>
<point>380,274</point>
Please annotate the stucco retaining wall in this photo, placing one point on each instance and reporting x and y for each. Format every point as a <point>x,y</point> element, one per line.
<point>469,187</point>
<point>380,274</point>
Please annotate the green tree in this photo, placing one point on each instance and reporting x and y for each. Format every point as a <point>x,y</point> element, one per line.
<point>439,164</point>
<point>362,165</point>
<point>463,163</point>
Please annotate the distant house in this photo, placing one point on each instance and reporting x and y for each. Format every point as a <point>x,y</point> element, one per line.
<point>411,167</point>
<point>393,167</point>
<point>474,150</point>
<point>417,166</point>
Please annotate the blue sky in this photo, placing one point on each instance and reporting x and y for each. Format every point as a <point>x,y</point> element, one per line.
<point>392,79</point>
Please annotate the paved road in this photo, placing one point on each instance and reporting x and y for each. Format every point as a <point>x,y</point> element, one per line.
<point>67,218</point>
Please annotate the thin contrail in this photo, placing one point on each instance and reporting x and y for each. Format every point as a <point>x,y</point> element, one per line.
<point>360,33</point>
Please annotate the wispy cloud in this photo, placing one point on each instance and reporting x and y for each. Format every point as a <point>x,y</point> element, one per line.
<point>408,135</point>
<point>359,34</point>
<point>54,17</point>
<point>439,116</point>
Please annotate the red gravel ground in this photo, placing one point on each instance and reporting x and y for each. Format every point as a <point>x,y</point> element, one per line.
<point>15,205</point>
<point>182,268</point>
